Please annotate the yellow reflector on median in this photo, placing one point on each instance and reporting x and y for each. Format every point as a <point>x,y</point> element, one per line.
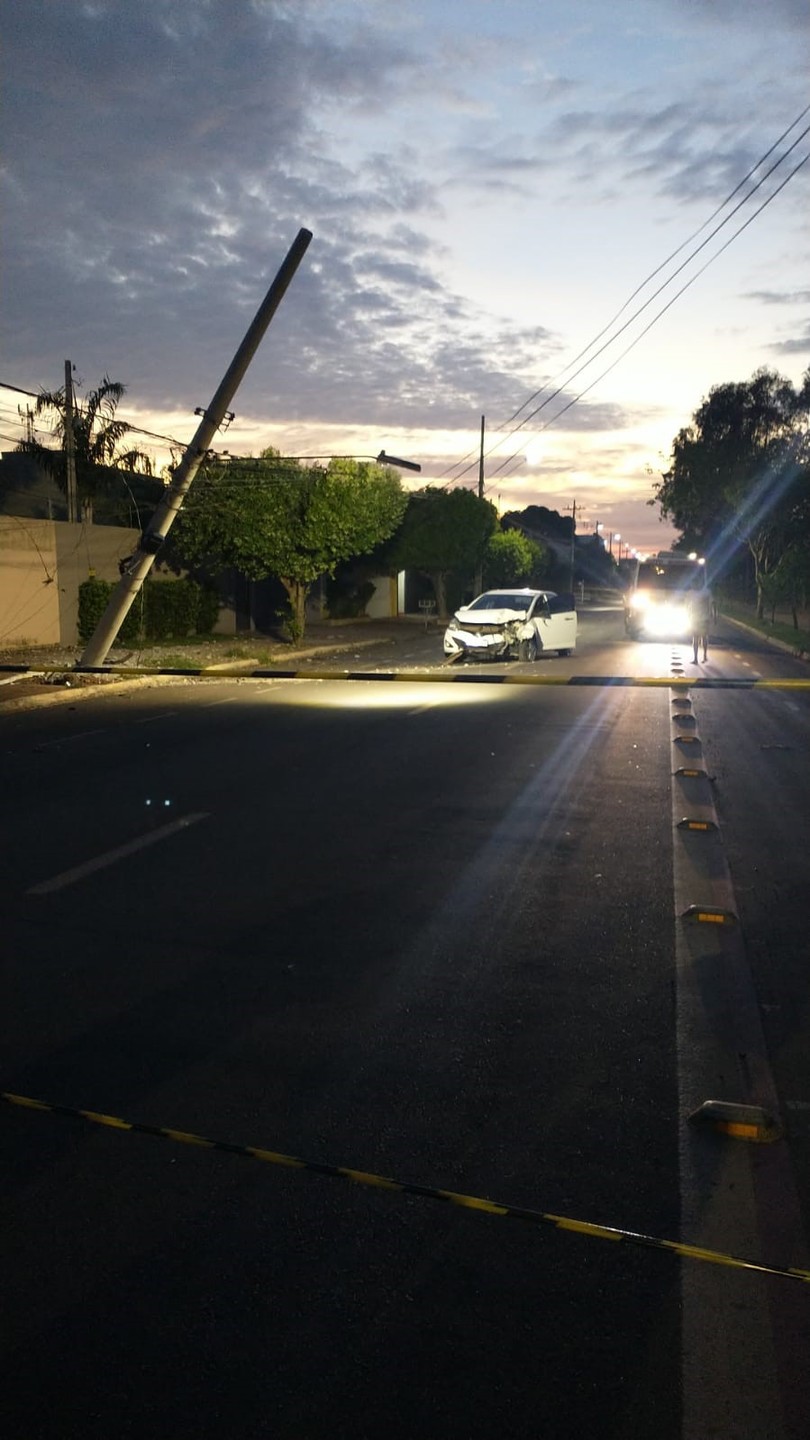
<point>741,1122</point>
<point>708,915</point>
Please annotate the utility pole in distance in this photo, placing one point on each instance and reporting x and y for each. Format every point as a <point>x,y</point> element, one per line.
<point>573,509</point>
<point>479,574</point>
<point>70,449</point>
<point>139,565</point>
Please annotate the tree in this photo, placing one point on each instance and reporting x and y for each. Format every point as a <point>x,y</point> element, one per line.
<point>97,441</point>
<point>739,474</point>
<point>788,583</point>
<point>272,516</point>
<point>444,532</point>
<point>511,558</point>
<point>539,520</point>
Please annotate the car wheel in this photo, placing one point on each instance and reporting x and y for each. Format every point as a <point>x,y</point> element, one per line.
<point>528,649</point>
<point>563,652</point>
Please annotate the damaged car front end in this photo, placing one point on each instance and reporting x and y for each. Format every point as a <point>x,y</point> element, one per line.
<point>491,639</point>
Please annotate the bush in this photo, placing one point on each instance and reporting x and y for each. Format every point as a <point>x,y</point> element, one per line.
<point>347,602</point>
<point>163,610</point>
<point>171,609</point>
<point>207,609</point>
<point>94,597</point>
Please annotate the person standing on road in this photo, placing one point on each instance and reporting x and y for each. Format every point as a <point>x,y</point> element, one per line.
<point>700,611</point>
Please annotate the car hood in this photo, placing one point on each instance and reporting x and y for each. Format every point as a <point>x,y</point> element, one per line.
<point>469,619</point>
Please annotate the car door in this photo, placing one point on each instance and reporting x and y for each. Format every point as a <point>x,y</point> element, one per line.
<point>556,620</point>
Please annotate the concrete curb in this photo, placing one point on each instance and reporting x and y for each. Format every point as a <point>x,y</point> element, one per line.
<point>782,645</point>
<point>56,695</point>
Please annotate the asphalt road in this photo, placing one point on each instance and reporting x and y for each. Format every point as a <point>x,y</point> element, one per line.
<point>429,932</point>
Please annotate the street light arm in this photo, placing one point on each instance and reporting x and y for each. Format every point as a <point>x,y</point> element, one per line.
<point>383,459</point>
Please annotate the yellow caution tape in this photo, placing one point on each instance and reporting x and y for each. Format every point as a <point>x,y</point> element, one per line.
<point>411,677</point>
<point>425,1192</point>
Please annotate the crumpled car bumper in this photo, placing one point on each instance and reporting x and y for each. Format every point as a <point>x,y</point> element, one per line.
<point>487,642</point>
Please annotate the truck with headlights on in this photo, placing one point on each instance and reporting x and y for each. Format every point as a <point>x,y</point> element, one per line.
<point>657,603</point>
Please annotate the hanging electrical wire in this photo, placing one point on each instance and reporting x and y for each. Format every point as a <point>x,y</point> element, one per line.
<point>136,429</point>
<point>695,233</point>
<point>560,381</point>
<point>518,454</point>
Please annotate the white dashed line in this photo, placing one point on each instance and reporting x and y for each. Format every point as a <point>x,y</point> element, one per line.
<point>66,739</point>
<point>79,872</point>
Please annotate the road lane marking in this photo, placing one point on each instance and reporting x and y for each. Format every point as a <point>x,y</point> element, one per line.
<point>161,715</point>
<point>66,739</point>
<point>111,857</point>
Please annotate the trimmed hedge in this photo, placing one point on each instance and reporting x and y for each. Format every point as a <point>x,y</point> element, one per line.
<point>164,610</point>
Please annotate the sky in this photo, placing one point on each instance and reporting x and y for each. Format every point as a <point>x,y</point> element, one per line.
<point>487,183</point>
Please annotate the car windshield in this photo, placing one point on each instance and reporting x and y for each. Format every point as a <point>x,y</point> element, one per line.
<point>669,577</point>
<point>504,600</point>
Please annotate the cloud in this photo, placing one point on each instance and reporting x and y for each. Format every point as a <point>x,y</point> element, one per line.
<point>177,150</point>
<point>780,297</point>
<point>796,345</point>
<point>161,156</point>
<point>721,14</point>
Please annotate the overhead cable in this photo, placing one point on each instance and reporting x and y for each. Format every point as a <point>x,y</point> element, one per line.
<point>640,310</point>
<point>661,312</point>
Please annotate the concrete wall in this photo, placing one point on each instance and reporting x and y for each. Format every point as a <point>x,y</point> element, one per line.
<point>383,603</point>
<point>42,565</point>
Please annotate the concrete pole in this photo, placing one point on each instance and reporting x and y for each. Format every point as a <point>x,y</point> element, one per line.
<point>103,637</point>
<point>70,449</point>
<point>479,574</point>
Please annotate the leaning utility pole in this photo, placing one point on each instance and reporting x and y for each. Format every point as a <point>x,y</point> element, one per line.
<point>141,562</point>
<point>70,449</point>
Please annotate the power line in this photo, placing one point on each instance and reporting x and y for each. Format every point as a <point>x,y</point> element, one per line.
<point>136,429</point>
<point>683,245</point>
<point>652,297</point>
<point>677,272</point>
<point>662,311</point>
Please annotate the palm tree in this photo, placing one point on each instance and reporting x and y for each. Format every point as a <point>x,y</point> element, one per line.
<point>97,441</point>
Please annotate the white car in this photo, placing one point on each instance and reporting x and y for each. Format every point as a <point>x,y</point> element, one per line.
<point>513,624</point>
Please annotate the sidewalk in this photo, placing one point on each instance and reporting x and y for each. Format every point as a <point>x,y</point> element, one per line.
<point>347,638</point>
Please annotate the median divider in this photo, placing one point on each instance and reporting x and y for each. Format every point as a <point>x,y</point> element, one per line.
<point>402,1187</point>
